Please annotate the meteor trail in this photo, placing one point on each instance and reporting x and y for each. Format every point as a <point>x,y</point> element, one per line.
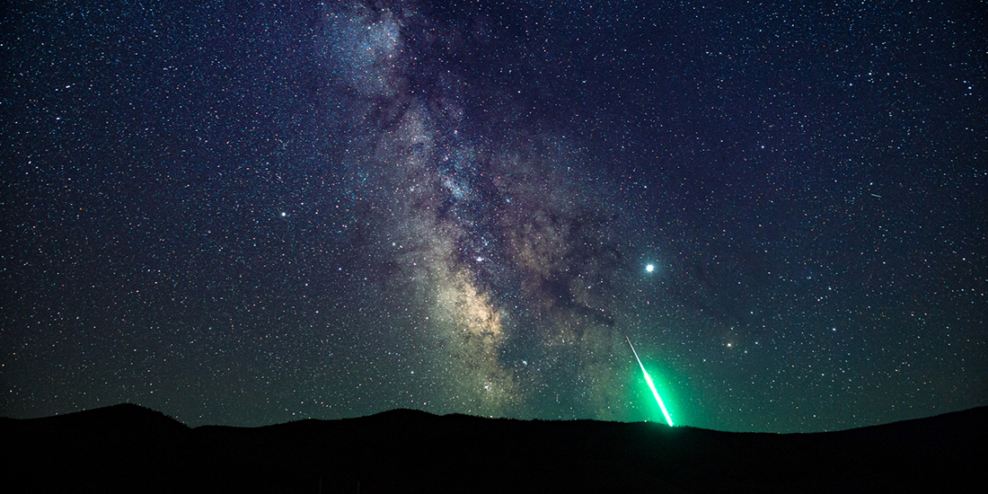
<point>651,385</point>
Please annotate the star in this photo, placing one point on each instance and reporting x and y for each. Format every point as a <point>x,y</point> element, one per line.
<point>650,268</point>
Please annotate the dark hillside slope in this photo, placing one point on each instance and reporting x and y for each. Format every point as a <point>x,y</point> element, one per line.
<point>129,448</point>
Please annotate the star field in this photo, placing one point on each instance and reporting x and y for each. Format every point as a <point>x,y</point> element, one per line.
<point>250,216</point>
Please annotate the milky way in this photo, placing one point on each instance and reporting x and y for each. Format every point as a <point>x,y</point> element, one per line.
<point>247,217</point>
<point>499,228</point>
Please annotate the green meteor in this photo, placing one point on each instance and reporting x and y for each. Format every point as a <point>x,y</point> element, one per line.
<point>651,385</point>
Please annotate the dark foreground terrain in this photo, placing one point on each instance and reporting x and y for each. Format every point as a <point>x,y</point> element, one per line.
<point>127,448</point>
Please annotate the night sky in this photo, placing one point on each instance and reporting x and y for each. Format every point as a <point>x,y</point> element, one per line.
<point>250,214</point>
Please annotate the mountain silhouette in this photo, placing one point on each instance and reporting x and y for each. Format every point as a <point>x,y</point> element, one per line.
<point>128,448</point>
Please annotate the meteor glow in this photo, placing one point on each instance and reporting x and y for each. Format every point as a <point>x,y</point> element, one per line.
<point>651,385</point>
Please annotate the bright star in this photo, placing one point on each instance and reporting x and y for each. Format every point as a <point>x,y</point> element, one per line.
<point>650,268</point>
